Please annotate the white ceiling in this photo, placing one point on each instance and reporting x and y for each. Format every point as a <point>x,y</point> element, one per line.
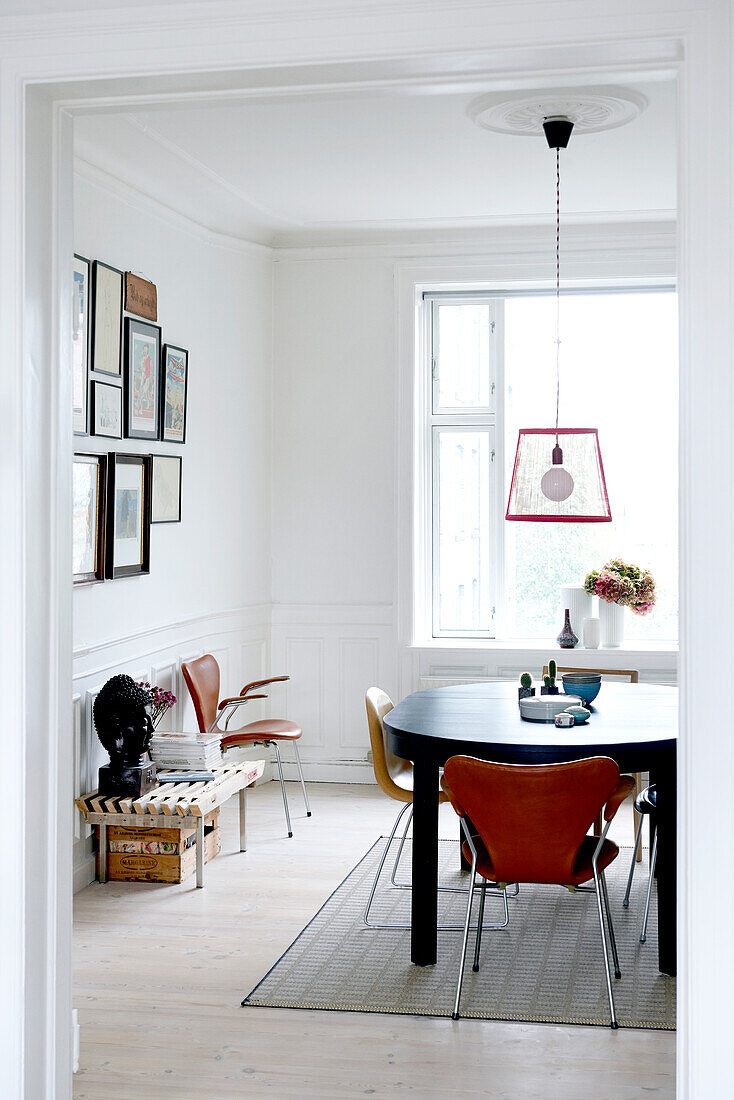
<point>280,169</point>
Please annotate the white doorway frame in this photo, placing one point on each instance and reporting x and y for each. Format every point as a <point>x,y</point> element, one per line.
<point>338,45</point>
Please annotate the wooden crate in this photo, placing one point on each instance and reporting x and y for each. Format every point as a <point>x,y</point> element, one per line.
<point>173,867</point>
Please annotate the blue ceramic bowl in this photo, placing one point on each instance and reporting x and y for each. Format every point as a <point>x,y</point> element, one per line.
<point>587,692</point>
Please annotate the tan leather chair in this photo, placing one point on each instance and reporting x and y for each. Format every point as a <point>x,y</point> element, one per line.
<point>202,680</point>
<point>531,823</point>
<point>632,676</point>
<point>395,777</point>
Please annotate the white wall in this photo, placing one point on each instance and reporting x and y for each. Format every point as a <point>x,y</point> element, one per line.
<point>209,580</point>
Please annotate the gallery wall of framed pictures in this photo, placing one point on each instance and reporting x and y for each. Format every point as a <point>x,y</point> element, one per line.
<point>126,384</point>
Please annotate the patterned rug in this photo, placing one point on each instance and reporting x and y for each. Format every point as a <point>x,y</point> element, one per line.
<point>546,966</point>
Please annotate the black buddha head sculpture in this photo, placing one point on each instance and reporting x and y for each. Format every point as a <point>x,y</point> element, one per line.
<point>122,718</point>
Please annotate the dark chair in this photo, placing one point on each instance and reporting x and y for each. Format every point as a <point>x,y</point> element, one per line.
<point>202,680</point>
<point>646,805</point>
<point>531,822</point>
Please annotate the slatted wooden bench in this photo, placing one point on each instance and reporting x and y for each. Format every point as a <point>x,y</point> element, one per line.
<point>172,806</point>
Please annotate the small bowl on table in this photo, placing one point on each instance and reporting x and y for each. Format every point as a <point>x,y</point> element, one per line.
<point>586,685</point>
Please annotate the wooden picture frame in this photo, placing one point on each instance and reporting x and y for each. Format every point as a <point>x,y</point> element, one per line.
<point>165,498</point>
<point>128,515</point>
<point>81,284</point>
<point>107,286</point>
<point>142,379</point>
<point>106,406</point>
<point>88,519</point>
<point>174,389</point>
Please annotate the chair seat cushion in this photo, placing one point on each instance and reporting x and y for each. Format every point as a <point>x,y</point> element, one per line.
<point>582,869</point>
<point>269,729</point>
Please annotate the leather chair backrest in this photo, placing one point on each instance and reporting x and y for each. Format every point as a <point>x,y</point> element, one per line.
<point>531,818</point>
<point>202,680</point>
<point>387,767</point>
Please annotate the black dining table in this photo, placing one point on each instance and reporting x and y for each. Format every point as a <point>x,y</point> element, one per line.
<point>635,724</point>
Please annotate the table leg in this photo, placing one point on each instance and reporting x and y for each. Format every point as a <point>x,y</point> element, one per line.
<point>103,853</point>
<point>665,777</point>
<point>243,819</point>
<point>424,895</point>
<point>200,852</point>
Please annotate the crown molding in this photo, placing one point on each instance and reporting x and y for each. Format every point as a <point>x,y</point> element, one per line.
<point>145,203</point>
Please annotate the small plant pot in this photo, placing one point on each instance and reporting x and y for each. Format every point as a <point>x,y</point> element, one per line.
<point>549,691</point>
<point>525,693</point>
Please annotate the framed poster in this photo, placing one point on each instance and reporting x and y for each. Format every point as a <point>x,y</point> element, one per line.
<point>174,387</point>
<point>142,379</point>
<point>107,319</point>
<point>128,515</point>
<point>80,345</point>
<point>107,410</point>
<point>88,518</point>
<point>166,494</point>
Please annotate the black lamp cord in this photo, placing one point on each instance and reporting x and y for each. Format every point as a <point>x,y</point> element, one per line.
<point>558,284</point>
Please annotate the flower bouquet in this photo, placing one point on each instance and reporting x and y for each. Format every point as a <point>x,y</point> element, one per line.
<point>619,585</point>
<point>161,701</point>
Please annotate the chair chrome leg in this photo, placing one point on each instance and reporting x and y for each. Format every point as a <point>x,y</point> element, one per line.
<point>626,902</point>
<point>366,914</point>
<point>480,920</point>
<point>469,900</point>
<point>653,856</point>
<point>612,937</point>
<point>402,885</point>
<point>300,773</point>
<point>599,907</point>
<point>282,789</point>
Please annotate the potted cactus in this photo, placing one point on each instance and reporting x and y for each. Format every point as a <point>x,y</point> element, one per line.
<point>526,689</point>
<point>549,681</point>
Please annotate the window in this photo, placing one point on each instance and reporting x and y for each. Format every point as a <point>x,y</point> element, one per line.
<point>490,365</point>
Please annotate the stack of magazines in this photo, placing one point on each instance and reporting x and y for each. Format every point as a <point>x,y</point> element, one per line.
<point>189,751</point>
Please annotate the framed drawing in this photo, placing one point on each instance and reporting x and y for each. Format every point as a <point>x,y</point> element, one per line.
<point>174,387</point>
<point>166,495</point>
<point>107,319</point>
<point>80,345</point>
<point>88,519</point>
<point>128,515</point>
<point>142,381</point>
<point>107,410</point>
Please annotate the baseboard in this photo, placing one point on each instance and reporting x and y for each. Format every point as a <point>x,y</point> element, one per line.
<point>330,771</point>
<point>85,873</point>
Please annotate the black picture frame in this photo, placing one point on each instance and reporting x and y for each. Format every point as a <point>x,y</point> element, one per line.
<point>169,433</point>
<point>97,573</point>
<point>81,343</point>
<point>119,466</point>
<point>96,401</point>
<point>161,511</point>
<point>143,333</point>
<point>106,323</point>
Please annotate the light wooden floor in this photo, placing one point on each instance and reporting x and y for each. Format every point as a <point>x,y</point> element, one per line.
<point>160,972</point>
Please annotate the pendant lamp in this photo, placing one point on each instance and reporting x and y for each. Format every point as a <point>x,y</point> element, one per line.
<point>558,476</point>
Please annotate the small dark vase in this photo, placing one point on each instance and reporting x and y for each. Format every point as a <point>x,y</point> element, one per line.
<point>525,693</point>
<point>567,639</point>
<point>550,690</point>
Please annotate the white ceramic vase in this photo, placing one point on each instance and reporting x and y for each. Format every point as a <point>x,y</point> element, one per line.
<point>592,633</point>
<point>611,621</point>
<point>579,607</point>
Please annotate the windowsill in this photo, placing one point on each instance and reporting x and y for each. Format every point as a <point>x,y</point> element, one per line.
<point>543,645</point>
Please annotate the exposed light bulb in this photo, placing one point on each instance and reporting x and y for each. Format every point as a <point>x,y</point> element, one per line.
<point>556,484</point>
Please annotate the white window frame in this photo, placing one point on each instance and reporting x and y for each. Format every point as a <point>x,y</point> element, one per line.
<point>480,418</point>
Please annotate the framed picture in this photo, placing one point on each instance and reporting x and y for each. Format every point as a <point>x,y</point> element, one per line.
<point>107,410</point>
<point>141,297</point>
<point>166,495</point>
<point>80,345</point>
<point>107,284</point>
<point>174,387</point>
<point>142,379</point>
<point>88,518</point>
<point>128,515</point>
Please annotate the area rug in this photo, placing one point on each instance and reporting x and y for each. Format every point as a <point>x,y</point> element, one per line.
<point>546,966</point>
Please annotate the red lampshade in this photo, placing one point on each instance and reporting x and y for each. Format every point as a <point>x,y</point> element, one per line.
<point>587,501</point>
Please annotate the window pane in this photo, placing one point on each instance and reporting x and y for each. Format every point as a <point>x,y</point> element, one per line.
<point>463,530</point>
<point>619,370</point>
<point>462,356</point>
